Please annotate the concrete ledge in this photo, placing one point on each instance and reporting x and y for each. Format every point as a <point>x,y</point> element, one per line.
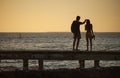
<point>61,55</point>
<point>42,55</point>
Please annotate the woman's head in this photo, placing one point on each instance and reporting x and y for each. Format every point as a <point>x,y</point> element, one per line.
<point>88,25</point>
<point>87,21</point>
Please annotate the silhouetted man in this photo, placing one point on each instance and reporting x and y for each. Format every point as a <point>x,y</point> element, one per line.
<point>75,29</point>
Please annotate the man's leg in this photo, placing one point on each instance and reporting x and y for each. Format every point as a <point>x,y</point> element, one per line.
<point>78,40</point>
<point>74,41</point>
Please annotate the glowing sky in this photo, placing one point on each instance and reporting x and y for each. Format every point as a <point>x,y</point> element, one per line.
<point>57,15</point>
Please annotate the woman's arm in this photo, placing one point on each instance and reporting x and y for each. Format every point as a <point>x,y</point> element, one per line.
<point>92,29</point>
<point>92,32</point>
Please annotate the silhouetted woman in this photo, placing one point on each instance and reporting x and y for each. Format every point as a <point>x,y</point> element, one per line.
<point>89,34</point>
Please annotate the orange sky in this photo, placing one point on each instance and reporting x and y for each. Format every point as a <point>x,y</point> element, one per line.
<point>57,15</point>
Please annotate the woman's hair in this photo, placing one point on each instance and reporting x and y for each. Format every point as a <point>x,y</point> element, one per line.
<point>87,21</point>
<point>88,25</point>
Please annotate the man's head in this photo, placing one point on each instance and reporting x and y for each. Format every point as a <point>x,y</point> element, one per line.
<point>78,18</point>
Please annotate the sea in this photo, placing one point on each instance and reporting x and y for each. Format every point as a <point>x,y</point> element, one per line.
<point>104,41</point>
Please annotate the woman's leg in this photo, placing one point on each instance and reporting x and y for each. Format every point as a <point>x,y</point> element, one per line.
<point>90,44</point>
<point>87,43</point>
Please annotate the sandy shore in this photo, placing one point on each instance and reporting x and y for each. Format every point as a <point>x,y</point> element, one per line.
<point>109,72</point>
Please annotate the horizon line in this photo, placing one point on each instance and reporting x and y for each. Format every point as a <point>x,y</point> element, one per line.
<point>57,32</point>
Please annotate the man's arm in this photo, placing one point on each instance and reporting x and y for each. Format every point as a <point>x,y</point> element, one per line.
<point>83,22</point>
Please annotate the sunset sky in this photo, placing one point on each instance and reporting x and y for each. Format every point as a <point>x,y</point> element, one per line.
<point>57,15</point>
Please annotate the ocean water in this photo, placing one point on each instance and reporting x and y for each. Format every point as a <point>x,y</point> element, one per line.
<point>56,41</point>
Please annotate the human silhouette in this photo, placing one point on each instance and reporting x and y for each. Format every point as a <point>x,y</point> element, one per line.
<point>89,34</point>
<point>75,29</point>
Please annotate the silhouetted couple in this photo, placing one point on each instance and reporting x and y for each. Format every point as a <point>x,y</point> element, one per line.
<point>75,29</point>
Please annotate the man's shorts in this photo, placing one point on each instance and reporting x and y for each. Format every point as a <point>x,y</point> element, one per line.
<point>77,35</point>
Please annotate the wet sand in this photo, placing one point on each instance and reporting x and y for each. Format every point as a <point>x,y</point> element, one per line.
<point>108,72</point>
